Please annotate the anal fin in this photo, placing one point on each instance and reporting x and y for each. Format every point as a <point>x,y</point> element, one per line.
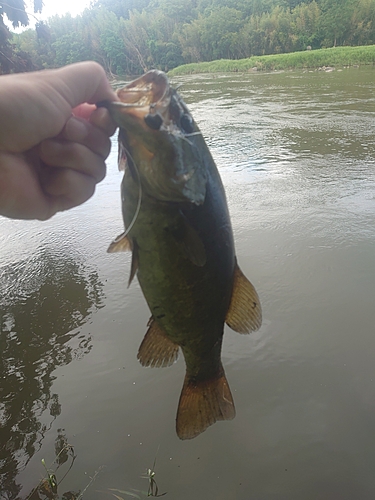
<point>245,313</point>
<point>156,350</point>
<point>203,403</point>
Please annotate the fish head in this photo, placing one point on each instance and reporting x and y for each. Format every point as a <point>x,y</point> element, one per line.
<point>160,139</point>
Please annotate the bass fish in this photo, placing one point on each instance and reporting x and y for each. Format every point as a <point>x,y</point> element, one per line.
<point>178,229</point>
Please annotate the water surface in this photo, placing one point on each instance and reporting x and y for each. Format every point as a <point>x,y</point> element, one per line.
<point>296,154</point>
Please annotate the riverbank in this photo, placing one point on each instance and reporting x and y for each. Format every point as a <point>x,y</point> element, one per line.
<point>332,57</point>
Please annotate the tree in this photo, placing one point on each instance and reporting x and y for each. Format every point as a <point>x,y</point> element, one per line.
<point>214,35</point>
<point>363,23</point>
<point>121,8</point>
<point>106,41</point>
<point>306,18</point>
<point>132,36</point>
<point>336,21</point>
<point>15,12</point>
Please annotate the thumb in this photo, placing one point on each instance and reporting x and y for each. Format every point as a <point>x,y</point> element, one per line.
<point>83,82</point>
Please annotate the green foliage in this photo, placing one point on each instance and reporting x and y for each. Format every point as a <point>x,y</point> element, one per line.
<point>13,59</point>
<point>103,30</point>
<point>336,21</point>
<point>121,8</point>
<point>212,36</point>
<point>133,36</point>
<point>69,49</point>
<point>338,56</point>
<point>181,11</point>
<point>15,12</point>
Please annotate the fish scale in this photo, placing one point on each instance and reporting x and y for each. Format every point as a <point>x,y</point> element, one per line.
<point>178,228</point>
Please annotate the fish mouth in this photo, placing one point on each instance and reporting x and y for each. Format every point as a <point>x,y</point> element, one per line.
<point>156,135</point>
<point>145,100</point>
<point>148,90</point>
<point>151,103</point>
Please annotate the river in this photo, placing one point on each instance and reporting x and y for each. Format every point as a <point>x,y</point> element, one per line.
<point>296,154</point>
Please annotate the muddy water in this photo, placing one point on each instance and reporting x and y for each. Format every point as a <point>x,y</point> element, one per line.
<point>296,154</point>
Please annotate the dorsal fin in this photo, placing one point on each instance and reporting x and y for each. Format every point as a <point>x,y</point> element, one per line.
<point>244,314</point>
<point>156,350</point>
<point>120,244</point>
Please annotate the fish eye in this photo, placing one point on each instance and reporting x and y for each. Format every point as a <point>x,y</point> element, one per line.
<point>153,121</point>
<point>187,123</point>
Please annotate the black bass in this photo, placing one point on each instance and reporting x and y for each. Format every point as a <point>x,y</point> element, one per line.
<point>179,231</point>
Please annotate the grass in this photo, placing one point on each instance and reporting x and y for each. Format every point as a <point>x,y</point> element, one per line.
<point>335,56</point>
<point>48,486</point>
<point>153,489</point>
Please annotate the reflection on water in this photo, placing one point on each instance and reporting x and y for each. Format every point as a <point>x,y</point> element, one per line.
<point>296,153</point>
<point>44,301</point>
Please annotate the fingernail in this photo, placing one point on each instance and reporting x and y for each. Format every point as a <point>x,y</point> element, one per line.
<point>76,130</point>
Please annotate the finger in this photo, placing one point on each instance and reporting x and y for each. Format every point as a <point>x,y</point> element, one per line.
<point>72,155</point>
<point>21,196</point>
<point>44,100</point>
<point>67,188</point>
<point>83,132</point>
<point>84,110</point>
<point>101,118</point>
<point>92,85</point>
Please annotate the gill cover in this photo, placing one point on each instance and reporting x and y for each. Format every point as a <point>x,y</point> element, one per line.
<point>161,139</point>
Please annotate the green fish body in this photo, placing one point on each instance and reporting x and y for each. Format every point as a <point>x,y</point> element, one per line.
<point>178,229</point>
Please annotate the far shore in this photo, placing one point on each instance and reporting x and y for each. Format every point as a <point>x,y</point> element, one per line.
<point>309,59</point>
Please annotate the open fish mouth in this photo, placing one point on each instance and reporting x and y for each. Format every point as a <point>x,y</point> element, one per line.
<point>160,138</point>
<point>151,99</point>
<point>148,96</point>
<point>147,90</point>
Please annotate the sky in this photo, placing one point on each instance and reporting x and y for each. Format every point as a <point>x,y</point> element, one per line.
<point>51,8</point>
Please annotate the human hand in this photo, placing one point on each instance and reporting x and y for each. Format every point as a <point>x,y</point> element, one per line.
<point>53,139</point>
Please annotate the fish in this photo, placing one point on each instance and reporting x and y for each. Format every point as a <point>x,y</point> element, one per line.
<point>178,228</point>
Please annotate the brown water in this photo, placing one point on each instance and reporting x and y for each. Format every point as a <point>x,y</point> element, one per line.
<point>296,153</point>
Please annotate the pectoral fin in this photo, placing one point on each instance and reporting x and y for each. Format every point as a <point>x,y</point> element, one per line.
<point>244,314</point>
<point>120,244</point>
<point>123,244</point>
<point>122,158</point>
<point>156,350</point>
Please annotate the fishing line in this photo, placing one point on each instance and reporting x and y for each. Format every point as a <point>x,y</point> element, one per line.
<point>136,213</point>
<point>119,104</point>
<point>129,156</point>
<point>193,133</point>
<point>184,137</point>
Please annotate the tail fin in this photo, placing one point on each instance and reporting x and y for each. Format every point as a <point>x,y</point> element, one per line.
<point>202,404</point>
